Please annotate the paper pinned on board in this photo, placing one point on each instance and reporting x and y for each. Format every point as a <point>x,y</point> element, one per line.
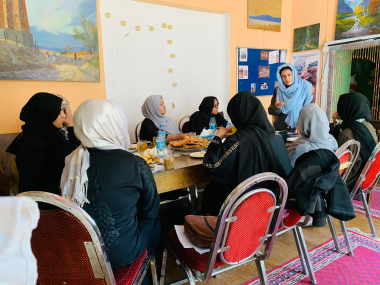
<point>186,243</point>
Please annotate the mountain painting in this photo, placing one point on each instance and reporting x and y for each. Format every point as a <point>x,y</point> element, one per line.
<point>357,18</point>
<point>49,40</point>
<point>265,16</point>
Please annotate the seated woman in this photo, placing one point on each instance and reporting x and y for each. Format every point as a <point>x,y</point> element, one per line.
<point>46,139</point>
<point>114,187</point>
<point>289,98</point>
<point>355,111</point>
<point>313,127</point>
<point>154,111</point>
<point>200,120</point>
<point>247,152</point>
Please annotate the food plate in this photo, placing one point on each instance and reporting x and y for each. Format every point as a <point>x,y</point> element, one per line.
<point>132,148</point>
<point>200,154</point>
<point>184,150</point>
<point>157,168</point>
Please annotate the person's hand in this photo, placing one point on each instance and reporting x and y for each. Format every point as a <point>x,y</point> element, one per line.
<point>69,117</point>
<point>335,118</point>
<point>222,132</point>
<point>278,105</point>
<point>296,131</point>
<point>182,136</point>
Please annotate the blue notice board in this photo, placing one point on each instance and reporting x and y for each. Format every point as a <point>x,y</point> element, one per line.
<point>254,62</point>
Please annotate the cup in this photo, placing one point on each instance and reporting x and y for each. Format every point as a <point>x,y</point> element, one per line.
<point>154,141</point>
<point>169,160</point>
<point>192,134</point>
<point>142,146</point>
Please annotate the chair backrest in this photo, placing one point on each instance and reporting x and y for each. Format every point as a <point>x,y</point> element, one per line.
<point>5,188</point>
<point>348,152</point>
<point>182,127</point>
<point>137,131</point>
<point>247,221</point>
<point>370,174</point>
<point>68,245</point>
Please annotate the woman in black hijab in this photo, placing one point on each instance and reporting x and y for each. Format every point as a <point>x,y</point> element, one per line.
<point>207,109</point>
<point>249,151</point>
<point>355,111</point>
<point>41,148</point>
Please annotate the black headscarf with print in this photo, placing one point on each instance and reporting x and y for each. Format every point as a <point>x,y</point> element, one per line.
<point>39,114</point>
<point>256,153</point>
<point>351,107</point>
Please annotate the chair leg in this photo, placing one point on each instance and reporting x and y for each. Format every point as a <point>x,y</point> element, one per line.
<point>300,253</point>
<point>369,218</point>
<point>346,238</point>
<point>309,264</point>
<point>333,233</point>
<point>163,266</point>
<point>188,190</point>
<point>154,270</point>
<point>196,191</point>
<point>218,268</point>
<point>262,272</point>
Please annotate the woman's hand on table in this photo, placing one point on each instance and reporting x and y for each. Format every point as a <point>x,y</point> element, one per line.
<point>222,132</point>
<point>175,137</point>
<point>296,131</point>
<point>278,104</point>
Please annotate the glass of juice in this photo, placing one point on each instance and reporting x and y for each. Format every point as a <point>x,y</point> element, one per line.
<point>154,141</point>
<point>142,146</point>
<point>169,160</point>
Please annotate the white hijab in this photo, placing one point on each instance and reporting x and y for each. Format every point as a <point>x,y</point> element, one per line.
<point>314,128</point>
<point>150,110</point>
<point>97,124</point>
<point>19,217</point>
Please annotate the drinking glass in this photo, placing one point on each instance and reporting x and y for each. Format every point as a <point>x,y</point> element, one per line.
<point>169,160</point>
<point>192,134</point>
<point>142,146</point>
<point>154,141</point>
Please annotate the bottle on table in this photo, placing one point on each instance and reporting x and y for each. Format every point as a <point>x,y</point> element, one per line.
<point>160,146</point>
<point>212,128</point>
<point>161,132</point>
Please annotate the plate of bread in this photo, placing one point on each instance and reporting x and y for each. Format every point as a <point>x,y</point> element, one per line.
<point>189,144</point>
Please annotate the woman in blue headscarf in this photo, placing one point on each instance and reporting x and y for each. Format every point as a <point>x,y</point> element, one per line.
<point>289,98</point>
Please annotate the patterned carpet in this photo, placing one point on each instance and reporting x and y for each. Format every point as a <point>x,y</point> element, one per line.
<point>375,206</point>
<point>332,268</point>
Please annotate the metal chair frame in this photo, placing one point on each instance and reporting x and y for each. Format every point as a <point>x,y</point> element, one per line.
<point>235,198</point>
<point>369,189</point>
<point>99,262</point>
<point>354,155</point>
<point>180,122</point>
<point>137,133</point>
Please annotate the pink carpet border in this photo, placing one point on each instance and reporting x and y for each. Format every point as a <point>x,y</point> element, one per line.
<point>294,263</point>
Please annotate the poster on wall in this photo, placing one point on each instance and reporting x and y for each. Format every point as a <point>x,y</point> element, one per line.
<point>243,54</point>
<point>306,38</point>
<point>357,18</point>
<point>264,55</point>
<point>274,57</point>
<point>264,71</point>
<point>50,40</point>
<point>243,71</point>
<point>264,86</point>
<point>253,88</point>
<point>265,15</point>
<point>307,66</point>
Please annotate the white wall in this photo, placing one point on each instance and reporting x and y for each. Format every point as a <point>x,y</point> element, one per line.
<point>136,65</point>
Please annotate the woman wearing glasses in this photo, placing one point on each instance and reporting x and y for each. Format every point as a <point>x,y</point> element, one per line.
<point>201,119</point>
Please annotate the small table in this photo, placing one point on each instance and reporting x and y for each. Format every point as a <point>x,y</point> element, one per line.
<point>187,172</point>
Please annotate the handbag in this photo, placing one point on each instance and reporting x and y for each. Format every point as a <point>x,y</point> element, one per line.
<point>200,229</point>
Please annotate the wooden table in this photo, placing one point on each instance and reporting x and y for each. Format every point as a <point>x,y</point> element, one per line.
<point>187,172</point>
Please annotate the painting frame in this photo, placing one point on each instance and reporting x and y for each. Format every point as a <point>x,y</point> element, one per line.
<point>51,41</point>
<point>308,66</point>
<point>302,35</point>
<point>266,16</point>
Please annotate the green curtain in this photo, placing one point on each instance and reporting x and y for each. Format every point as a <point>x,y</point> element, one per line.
<point>342,74</point>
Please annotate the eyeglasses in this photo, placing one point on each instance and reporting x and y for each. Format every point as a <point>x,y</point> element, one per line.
<point>217,105</point>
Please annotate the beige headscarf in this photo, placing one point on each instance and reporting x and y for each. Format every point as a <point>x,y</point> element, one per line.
<point>97,124</point>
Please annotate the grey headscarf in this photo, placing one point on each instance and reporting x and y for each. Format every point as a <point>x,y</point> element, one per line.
<point>65,103</point>
<point>150,110</point>
<point>313,126</point>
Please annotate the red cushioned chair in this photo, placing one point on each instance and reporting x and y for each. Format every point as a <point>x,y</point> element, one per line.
<point>366,182</point>
<point>184,128</point>
<point>348,152</point>
<point>69,248</point>
<point>246,221</point>
<point>137,131</point>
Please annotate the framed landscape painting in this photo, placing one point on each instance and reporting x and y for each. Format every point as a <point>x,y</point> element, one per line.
<point>265,15</point>
<point>357,18</point>
<point>306,38</point>
<point>49,40</point>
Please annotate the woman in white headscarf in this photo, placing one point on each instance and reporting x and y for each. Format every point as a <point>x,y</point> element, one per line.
<point>313,127</point>
<point>154,111</point>
<point>114,187</point>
